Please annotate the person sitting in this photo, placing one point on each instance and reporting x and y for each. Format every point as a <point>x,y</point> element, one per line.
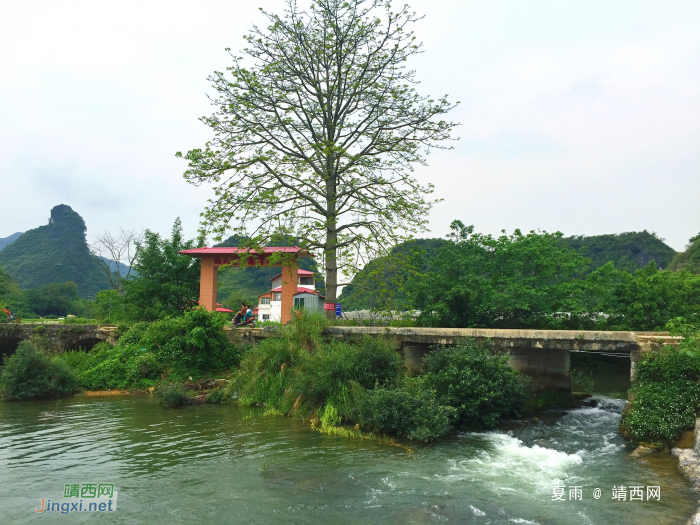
<point>240,315</point>
<point>248,314</point>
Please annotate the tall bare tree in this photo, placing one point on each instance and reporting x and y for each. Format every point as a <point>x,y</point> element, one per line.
<point>316,135</point>
<point>120,249</point>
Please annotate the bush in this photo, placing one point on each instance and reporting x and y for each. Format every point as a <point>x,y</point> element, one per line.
<point>172,395</point>
<point>666,392</point>
<point>409,411</point>
<point>364,381</point>
<point>284,374</point>
<point>663,411</point>
<point>191,345</point>
<point>30,374</point>
<point>481,386</point>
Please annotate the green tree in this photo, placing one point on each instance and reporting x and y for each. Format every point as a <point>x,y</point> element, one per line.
<point>54,299</point>
<point>510,281</point>
<point>167,282</point>
<point>650,298</point>
<point>317,136</point>
<point>689,259</point>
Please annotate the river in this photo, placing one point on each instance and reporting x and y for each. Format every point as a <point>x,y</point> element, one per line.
<point>224,464</point>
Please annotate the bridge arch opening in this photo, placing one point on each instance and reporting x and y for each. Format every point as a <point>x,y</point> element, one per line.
<point>84,344</point>
<point>601,373</point>
<point>8,345</point>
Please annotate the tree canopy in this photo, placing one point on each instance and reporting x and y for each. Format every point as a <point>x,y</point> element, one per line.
<point>316,131</point>
<point>166,282</point>
<point>689,259</point>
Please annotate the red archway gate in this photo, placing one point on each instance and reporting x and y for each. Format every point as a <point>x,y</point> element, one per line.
<point>212,258</point>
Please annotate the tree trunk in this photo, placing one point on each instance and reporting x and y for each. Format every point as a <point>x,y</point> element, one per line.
<point>331,278</point>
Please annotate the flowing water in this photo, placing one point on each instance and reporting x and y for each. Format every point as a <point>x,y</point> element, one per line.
<point>217,464</point>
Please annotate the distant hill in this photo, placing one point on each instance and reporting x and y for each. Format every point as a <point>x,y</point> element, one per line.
<point>55,253</point>
<point>689,259</point>
<point>4,241</point>
<point>629,251</point>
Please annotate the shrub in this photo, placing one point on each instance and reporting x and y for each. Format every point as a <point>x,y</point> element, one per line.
<point>218,395</point>
<point>481,386</point>
<point>666,392</point>
<point>282,373</point>
<point>172,395</point>
<point>409,411</point>
<point>29,373</point>
<point>663,411</point>
<point>582,380</point>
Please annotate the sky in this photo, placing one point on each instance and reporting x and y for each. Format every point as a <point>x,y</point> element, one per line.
<point>580,116</point>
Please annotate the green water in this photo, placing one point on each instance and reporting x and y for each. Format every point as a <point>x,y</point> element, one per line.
<point>211,464</point>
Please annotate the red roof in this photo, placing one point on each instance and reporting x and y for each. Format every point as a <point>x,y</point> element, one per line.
<point>310,293</point>
<point>299,272</point>
<point>300,289</point>
<point>235,251</point>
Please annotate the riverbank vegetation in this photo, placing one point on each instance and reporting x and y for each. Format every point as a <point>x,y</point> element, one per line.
<point>365,383</point>
<point>31,374</point>
<point>665,394</point>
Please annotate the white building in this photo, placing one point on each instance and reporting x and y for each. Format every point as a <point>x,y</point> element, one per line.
<point>270,303</point>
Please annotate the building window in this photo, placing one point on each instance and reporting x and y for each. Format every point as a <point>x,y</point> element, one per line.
<point>264,300</point>
<point>298,303</point>
<point>306,281</point>
<point>276,296</point>
<point>266,317</point>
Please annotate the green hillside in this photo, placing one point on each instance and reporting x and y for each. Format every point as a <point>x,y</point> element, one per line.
<point>630,251</point>
<point>55,253</point>
<point>8,288</point>
<point>689,259</point>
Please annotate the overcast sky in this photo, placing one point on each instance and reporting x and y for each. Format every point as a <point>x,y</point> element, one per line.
<point>582,117</point>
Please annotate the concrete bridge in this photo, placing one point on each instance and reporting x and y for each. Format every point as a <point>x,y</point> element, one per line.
<point>58,337</point>
<point>542,355</point>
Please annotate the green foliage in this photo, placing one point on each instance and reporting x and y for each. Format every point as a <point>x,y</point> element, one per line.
<point>113,308</point>
<point>31,374</point>
<point>58,299</point>
<point>480,385</point>
<point>55,253</point>
<point>647,299</point>
<point>167,282</point>
<point>666,391</point>
<point>171,395</point>
<point>535,281</point>
<point>409,411</point>
<point>582,381</point>
<point>337,173</point>
<point>663,411</point>
<point>218,395</point>
<point>191,345</point>
<point>364,382</point>
<point>384,283</point>
<point>689,260</point>
<point>511,281</point>
<point>300,373</point>
<point>78,320</point>
<point>629,251</point>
